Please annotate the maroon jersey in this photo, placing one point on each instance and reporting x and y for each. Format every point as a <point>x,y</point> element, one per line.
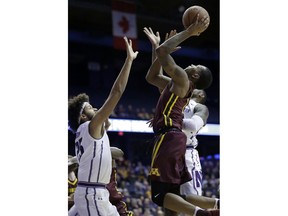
<point>168,156</point>
<point>169,109</point>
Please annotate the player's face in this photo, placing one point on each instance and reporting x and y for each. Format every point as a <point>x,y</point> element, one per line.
<point>89,111</point>
<point>192,71</point>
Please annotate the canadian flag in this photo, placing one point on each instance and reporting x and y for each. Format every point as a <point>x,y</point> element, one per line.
<point>124,23</point>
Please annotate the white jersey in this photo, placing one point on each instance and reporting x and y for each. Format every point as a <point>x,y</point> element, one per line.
<point>95,166</point>
<point>190,133</point>
<point>191,125</point>
<point>94,156</point>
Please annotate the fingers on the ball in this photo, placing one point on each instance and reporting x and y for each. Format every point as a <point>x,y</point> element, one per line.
<point>198,15</point>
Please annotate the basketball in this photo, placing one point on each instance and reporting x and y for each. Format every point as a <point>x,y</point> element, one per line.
<point>190,15</point>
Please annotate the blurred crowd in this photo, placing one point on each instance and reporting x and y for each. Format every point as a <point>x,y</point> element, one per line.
<point>145,113</point>
<point>131,112</point>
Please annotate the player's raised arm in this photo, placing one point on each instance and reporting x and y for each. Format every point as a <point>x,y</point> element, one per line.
<point>155,74</point>
<point>117,90</point>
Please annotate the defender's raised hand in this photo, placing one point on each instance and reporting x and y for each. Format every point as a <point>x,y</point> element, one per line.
<point>130,53</point>
<point>153,38</point>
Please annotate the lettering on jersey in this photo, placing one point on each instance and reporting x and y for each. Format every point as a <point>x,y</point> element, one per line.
<point>186,105</point>
<point>198,178</point>
<point>79,148</point>
<point>154,171</point>
<point>187,109</point>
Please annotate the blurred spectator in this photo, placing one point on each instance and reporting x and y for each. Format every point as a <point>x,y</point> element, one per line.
<point>130,112</point>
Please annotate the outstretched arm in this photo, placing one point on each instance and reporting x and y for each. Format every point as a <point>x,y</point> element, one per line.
<point>155,74</point>
<point>96,124</point>
<point>154,40</point>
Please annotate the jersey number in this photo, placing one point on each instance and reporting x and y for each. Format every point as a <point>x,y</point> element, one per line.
<point>79,149</point>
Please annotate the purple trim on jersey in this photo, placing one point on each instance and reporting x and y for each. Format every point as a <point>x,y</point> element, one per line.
<point>194,177</point>
<point>193,174</point>
<point>91,184</point>
<point>96,202</point>
<point>100,162</point>
<point>87,202</point>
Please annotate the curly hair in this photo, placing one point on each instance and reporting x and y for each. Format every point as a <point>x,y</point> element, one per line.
<point>205,79</point>
<point>74,106</point>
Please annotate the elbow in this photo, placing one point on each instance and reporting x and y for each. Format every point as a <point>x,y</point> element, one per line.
<point>118,91</point>
<point>148,78</point>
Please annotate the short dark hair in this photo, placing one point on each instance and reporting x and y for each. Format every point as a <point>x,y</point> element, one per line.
<point>205,79</point>
<point>74,107</point>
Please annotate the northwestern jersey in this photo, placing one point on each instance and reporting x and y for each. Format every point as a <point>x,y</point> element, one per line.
<point>194,167</point>
<point>169,109</point>
<point>188,113</point>
<point>94,156</point>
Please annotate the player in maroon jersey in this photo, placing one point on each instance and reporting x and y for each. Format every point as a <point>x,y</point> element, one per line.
<point>168,168</point>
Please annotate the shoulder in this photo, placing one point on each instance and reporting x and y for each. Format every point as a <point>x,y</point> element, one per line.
<point>83,126</point>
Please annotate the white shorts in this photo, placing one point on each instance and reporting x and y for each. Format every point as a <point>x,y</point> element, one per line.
<point>194,167</point>
<point>73,211</point>
<point>93,201</point>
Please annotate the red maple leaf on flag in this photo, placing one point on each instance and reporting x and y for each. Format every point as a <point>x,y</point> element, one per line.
<point>124,24</point>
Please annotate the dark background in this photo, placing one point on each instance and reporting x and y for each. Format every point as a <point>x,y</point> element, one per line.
<point>93,63</point>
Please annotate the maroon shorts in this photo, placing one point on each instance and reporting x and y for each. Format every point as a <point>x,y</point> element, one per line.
<point>168,158</point>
